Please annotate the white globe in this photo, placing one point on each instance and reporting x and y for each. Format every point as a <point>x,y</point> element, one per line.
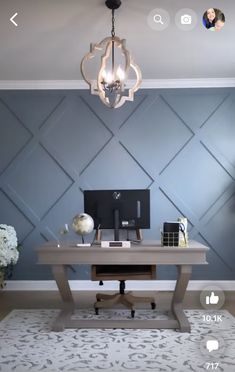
<point>83,224</point>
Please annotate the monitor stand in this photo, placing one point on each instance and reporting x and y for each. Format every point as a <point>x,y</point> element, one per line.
<point>139,235</point>
<point>116,224</point>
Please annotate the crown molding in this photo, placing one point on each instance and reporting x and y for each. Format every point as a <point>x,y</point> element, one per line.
<point>188,83</point>
<point>42,84</point>
<point>146,84</point>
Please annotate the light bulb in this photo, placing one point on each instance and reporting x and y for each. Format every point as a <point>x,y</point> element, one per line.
<point>104,75</point>
<point>107,76</point>
<point>120,73</point>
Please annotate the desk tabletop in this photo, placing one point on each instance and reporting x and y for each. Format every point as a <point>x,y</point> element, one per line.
<point>148,252</point>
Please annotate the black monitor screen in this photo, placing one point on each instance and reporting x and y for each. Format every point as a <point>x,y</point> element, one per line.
<point>122,209</point>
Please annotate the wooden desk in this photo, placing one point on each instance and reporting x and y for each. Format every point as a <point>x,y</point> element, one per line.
<point>147,253</point>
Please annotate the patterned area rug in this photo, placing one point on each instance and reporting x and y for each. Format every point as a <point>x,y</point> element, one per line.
<point>27,344</point>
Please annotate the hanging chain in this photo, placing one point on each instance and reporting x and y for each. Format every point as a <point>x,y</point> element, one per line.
<point>113,26</point>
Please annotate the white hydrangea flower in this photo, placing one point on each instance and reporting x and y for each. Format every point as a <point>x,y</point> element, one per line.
<point>8,246</point>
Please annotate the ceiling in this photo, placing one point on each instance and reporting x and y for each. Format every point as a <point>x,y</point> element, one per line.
<point>53,36</point>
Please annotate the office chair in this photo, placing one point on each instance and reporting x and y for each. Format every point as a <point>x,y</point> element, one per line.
<point>122,273</point>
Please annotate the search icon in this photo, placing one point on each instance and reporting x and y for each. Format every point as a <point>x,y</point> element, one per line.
<point>158,19</point>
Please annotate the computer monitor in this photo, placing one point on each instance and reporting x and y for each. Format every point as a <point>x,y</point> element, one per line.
<point>118,209</point>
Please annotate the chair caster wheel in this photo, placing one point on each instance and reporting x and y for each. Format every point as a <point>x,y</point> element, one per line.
<point>132,313</point>
<point>153,305</point>
<point>96,311</point>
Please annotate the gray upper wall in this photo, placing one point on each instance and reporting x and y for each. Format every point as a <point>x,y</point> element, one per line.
<point>53,36</point>
<point>177,143</point>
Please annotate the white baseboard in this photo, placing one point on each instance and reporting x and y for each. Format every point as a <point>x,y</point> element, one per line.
<point>88,285</point>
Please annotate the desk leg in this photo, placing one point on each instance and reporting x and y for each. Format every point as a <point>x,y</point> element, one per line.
<point>60,275</point>
<point>184,274</point>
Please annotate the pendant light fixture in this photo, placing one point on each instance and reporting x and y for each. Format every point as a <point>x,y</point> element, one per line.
<point>114,68</point>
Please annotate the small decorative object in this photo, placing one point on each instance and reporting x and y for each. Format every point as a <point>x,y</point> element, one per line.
<point>83,224</point>
<point>115,68</point>
<point>183,234</point>
<point>64,230</point>
<point>170,235</point>
<point>174,233</point>
<point>63,235</point>
<point>9,253</point>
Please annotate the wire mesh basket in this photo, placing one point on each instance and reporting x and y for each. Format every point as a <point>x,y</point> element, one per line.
<point>174,239</point>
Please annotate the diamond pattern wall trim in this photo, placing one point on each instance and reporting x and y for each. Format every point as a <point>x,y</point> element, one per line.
<point>178,143</point>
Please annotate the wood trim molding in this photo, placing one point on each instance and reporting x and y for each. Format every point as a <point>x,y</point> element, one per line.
<point>146,84</point>
<point>88,285</point>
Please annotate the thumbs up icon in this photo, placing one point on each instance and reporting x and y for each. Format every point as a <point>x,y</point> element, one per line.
<point>212,299</point>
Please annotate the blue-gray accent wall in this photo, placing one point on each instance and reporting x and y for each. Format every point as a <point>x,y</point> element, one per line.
<point>178,143</point>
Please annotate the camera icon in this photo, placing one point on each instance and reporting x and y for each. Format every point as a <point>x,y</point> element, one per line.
<point>186,19</point>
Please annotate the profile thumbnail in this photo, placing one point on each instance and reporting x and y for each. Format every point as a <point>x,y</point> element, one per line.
<point>213,19</point>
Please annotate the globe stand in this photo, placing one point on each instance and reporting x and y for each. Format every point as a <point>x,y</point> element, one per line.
<point>83,244</point>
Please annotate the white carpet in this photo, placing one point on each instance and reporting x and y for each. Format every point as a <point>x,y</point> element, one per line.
<point>27,344</point>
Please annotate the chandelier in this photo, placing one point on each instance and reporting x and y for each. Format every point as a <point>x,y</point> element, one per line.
<point>114,69</point>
